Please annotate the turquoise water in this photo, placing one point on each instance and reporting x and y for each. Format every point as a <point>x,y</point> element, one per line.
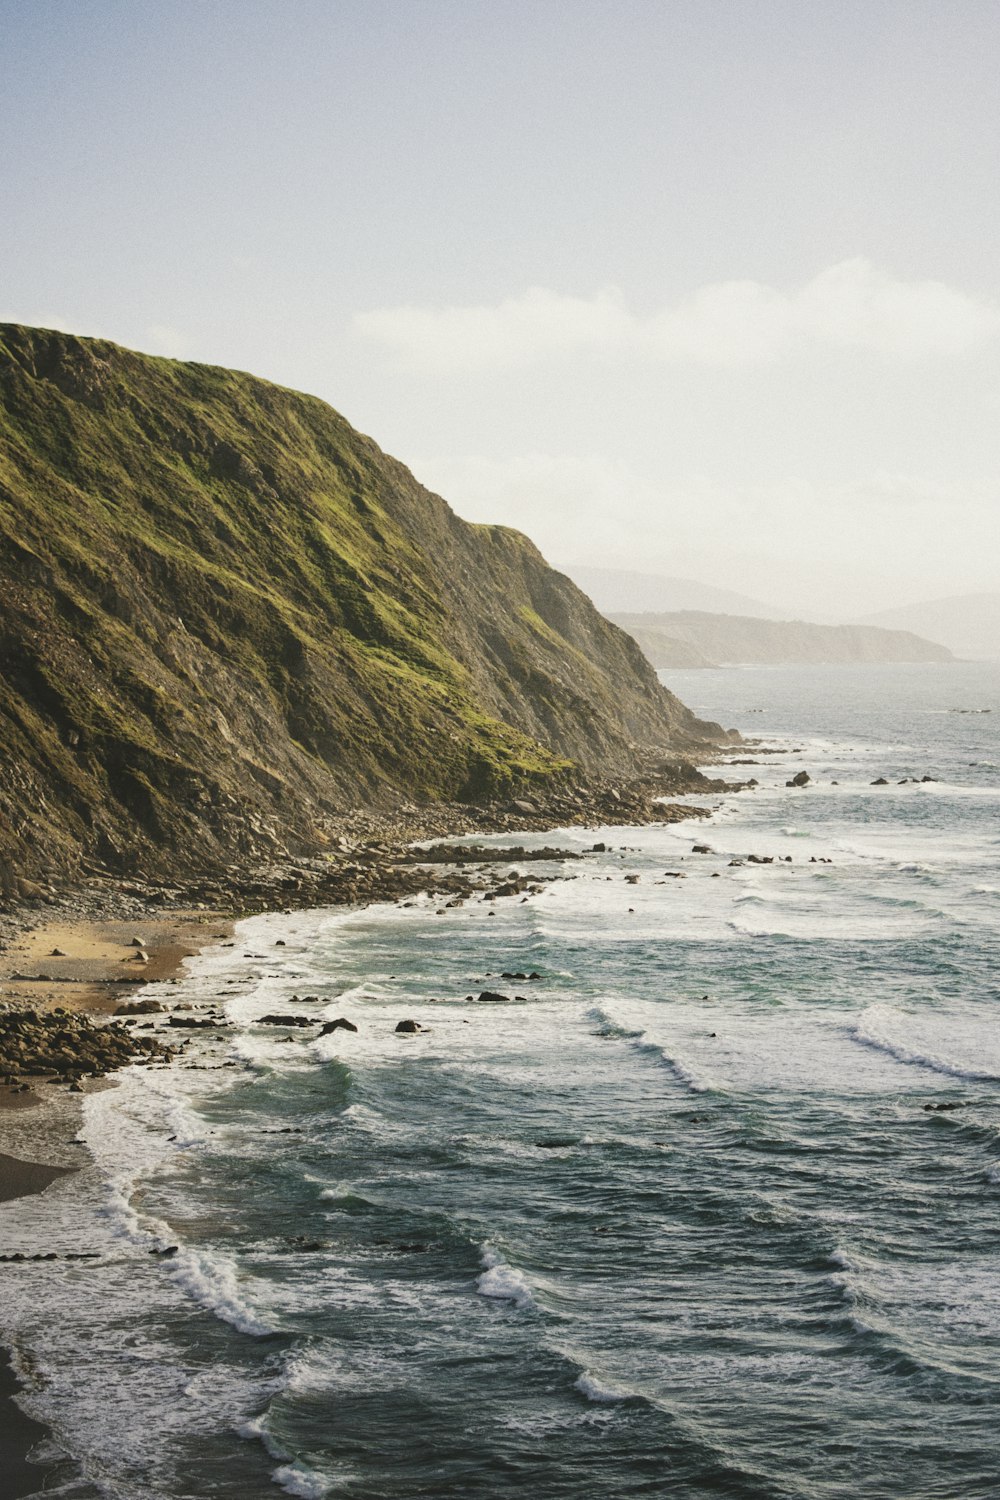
<point>678,1222</point>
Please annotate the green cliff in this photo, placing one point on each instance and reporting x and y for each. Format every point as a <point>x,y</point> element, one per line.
<point>226,617</point>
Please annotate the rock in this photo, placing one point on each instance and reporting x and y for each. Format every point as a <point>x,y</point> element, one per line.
<point>880,781</point>
<point>57,953</point>
<point>801,778</point>
<point>138,1008</point>
<point>599,849</point>
<point>928,778</point>
<point>340,1024</point>
<point>522,805</point>
<point>700,849</point>
<point>408,1027</point>
<point>631,879</point>
<point>136,942</point>
<point>276,1020</point>
<point>492,997</point>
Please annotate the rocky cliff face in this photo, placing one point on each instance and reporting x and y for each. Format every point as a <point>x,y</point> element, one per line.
<point>226,616</point>
<point>696,638</point>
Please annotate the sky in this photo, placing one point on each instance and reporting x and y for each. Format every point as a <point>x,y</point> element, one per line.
<point>696,287</point>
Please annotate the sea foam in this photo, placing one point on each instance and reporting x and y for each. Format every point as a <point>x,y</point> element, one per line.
<point>502,1281</point>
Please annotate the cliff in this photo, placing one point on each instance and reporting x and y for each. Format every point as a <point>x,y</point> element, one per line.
<point>693,638</point>
<point>226,617</point>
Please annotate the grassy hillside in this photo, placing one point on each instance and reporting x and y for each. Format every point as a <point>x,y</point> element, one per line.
<point>226,616</point>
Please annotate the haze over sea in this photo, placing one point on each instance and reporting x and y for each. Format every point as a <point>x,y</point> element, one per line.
<point>689,1218</point>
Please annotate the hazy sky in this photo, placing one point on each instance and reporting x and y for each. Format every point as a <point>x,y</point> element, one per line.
<point>705,287</point>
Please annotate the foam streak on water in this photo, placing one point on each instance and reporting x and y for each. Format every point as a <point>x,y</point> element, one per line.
<point>692,1218</point>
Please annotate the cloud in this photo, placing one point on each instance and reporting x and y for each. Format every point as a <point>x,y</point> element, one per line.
<point>517,331</point>
<point>794,539</point>
<point>850,305</point>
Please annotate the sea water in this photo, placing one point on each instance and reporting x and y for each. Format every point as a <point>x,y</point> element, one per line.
<point>683,1218</point>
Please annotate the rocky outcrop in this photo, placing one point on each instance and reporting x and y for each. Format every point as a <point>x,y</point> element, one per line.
<point>226,617</point>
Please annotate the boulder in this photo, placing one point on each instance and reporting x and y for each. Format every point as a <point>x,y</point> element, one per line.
<point>491,997</point>
<point>409,1027</point>
<point>801,778</point>
<point>340,1024</point>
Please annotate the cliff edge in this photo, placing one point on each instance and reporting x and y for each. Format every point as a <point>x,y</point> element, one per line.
<point>226,617</point>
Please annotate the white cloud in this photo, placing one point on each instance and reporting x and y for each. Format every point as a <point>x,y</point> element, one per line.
<point>835,549</point>
<point>517,331</point>
<point>848,305</point>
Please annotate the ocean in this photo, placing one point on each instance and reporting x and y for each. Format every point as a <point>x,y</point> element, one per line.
<point>709,1208</point>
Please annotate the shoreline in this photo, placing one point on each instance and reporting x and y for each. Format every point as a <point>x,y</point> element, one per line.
<point>95,929</point>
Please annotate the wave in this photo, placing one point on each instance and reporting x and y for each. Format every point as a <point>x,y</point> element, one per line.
<point>502,1281</point>
<point>600,1391</point>
<point>869,1037</point>
<point>609,1027</point>
<point>210,1279</point>
<point>293,1476</point>
<point>296,1479</point>
<point>697,1082</point>
<point>684,1070</point>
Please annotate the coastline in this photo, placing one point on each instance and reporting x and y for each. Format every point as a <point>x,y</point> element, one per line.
<point>78,953</point>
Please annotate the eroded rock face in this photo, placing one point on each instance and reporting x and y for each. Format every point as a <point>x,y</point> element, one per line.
<point>273,622</point>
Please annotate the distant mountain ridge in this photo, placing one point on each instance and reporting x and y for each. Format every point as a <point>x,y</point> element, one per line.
<point>227,617</point>
<point>969,624</point>
<point>694,638</point>
<point>617,591</point>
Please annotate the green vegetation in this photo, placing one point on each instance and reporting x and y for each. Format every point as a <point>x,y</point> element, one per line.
<point>227,616</point>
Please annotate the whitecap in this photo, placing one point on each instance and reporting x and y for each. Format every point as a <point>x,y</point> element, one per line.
<point>210,1278</point>
<point>297,1479</point>
<point>868,1036</point>
<point>502,1281</point>
<point>598,1390</point>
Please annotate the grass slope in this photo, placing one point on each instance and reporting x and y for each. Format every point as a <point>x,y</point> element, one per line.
<point>225,616</point>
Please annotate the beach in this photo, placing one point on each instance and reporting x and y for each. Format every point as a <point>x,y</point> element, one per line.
<point>685,1175</point>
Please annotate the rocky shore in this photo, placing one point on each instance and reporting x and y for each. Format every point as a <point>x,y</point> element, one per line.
<point>75,961</point>
<point>71,958</point>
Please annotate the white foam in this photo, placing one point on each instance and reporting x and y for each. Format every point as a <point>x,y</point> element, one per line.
<point>211,1279</point>
<point>601,1391</point>
<point>698,1083</point>
<point>870,1032</point>
<point>297,1479</point>
<point>502,1281</point>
